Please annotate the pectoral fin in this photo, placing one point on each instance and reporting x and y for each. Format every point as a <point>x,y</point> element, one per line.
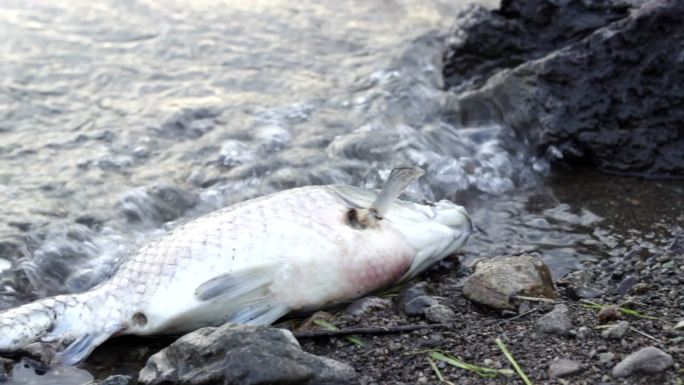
<point>238,283</point>
<point>246,294</point>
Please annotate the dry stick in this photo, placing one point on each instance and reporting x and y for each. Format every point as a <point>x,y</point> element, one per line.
<point>645,335</point>
<point>520,315</point>
<point>368,330</point>
<point>534,299</point>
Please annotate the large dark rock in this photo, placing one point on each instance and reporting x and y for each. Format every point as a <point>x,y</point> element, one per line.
<point>244,355</point>
<point>590,82</point>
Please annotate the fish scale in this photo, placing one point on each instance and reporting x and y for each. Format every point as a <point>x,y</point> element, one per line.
<point>251,262</point>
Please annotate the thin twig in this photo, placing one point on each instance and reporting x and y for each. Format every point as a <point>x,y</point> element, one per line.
<point>368,330</point>
<point>645,335</point>
<point>520,315</point>
<point>534,299</point>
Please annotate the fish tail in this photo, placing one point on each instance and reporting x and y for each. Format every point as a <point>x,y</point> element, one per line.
<point>74,321</point>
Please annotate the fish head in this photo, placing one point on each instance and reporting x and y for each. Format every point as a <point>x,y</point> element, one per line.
<point>435,231</point>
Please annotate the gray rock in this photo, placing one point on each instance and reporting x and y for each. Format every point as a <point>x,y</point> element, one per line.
<point>616,331</point>
<point>606,358</point>
<point>366,305</point>
<point>439,314</point>
<point>497,280</point>
<point>563,367</point>
<point>118,379</point>
<point>554,72</point>
<point>418,305</point>
<point>244,355</point>
<point>647,360</point>
<point>557,321</point>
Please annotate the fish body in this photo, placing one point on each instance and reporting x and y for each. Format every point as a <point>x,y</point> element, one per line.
<point>252,262</point>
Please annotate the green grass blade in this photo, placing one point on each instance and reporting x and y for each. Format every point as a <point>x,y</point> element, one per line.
<point>623,310</point>
<point>480,370</point>
<point>438,373</point>
<point>513,362</point>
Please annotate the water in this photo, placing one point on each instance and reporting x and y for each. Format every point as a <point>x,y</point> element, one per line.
<point>122,118</point>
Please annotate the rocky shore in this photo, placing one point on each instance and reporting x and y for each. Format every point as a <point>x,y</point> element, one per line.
<point>617,321</point>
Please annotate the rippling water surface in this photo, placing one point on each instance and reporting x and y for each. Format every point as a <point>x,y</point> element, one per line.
<point>121,118</point>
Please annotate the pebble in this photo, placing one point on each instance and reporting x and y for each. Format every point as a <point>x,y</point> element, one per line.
<point>411,292</point>
<point>366,305</point>
<point>606,358</point>
<point>583,332</point>
<point>563,367</point>
<point>647,360</point>
<point>439,314</point>
<point>641,288</point>
<point>616,331</point>
<point>609,313</point>
<point>558,321</point>
<point>418,305</point>
<point>626,285</point>
<point>587,292</point>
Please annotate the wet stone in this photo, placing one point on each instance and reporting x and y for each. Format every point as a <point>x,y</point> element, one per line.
<point>495,282</point>
<point>647,360</point>
<point>558,321</point>
<point>418,305</point>
<point>367,305</point>
<point>439,314</point>
<point>563,367</point>
<point>616,331</point>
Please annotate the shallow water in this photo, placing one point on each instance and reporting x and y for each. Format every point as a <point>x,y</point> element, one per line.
<point>125,117</point>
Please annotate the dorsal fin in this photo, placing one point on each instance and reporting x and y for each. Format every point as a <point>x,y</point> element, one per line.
<point>396,183</point>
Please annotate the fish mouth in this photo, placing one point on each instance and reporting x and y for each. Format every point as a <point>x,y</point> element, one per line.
<point>454,216</point>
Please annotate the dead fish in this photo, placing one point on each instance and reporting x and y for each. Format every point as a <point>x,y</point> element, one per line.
<point>253,262</point>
